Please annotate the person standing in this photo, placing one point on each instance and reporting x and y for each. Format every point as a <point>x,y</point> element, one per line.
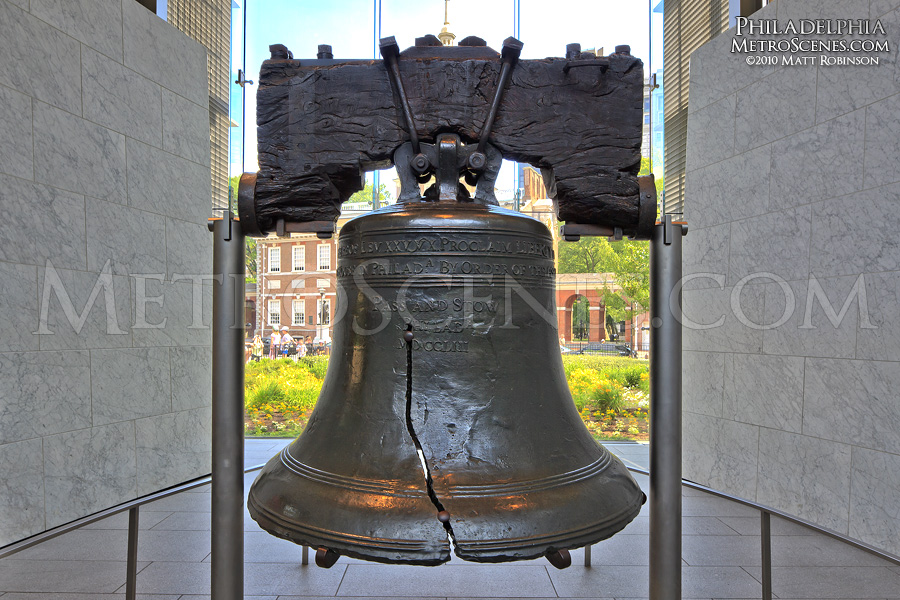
<point>274,344</point>
<point>286,341</point>
<point>301,347</point>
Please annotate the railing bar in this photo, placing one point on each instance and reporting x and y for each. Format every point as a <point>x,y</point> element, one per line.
<point>774,511</point>
<point>304,556</point>
<point>587,555</point>
<point>765,543</point>
<point>44,536</point>
<point>131,565</point>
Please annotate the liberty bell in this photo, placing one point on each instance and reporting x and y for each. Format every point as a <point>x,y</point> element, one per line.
<point>445,422</point>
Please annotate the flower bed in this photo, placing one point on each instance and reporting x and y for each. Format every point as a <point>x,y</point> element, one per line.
<point>612,395</point>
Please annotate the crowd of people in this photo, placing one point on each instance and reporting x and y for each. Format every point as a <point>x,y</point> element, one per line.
<point>283,345</point>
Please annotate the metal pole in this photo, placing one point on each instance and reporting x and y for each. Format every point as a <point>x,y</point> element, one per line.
<point>131,564</point>
<point>665,411</point>
<point>765,540</point>
<point>587,555</point>
<point>227,520</point>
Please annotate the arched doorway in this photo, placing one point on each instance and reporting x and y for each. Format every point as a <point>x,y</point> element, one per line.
<point>581,319</point>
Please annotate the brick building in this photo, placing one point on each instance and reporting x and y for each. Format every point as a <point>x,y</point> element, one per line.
<point>296,286</point>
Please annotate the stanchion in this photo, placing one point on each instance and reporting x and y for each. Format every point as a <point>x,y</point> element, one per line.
<point>665,410</point>
<point>227,520</point>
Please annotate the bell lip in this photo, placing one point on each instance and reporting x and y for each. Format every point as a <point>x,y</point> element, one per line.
<point>388,554</point>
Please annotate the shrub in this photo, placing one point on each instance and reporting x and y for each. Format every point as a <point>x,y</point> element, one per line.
<point>592,391</point>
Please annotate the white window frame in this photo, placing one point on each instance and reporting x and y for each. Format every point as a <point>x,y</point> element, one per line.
<point>274,257</point>
<point>327,302</point>
<point>274,315</point>
<point>298,265</point>
<point>323,257</point>
<point>298,317</point>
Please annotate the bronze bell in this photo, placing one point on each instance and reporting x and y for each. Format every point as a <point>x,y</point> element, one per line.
<point>445,415</point>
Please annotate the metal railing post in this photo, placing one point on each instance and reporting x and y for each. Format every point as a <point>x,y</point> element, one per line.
<point>227,518</point>
<point>131,564</point>
<point>665,411</point>
<point>765,542</point>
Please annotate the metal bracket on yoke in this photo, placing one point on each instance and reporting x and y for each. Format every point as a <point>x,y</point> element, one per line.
<point>323,229</point>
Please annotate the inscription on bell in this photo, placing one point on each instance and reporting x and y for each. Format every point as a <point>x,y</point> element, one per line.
<point>438,244</point>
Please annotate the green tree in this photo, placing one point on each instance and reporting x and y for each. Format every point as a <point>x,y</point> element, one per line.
<point>365,195</point>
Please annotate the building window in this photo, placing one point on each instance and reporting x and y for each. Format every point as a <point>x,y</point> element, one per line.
<point>274,312</point>
<point>324,257</point>
<point>275,260</point>
<point>324,312</point>
<point>299,310</point>
<point>299,258</point>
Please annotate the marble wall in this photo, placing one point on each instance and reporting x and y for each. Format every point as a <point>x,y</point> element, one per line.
<point>792,344</point>
<point>104,195</point>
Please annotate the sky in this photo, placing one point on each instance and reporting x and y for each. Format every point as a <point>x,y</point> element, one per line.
<point>349,26</point>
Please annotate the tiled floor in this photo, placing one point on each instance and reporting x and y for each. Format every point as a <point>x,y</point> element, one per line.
<point>720,553</point>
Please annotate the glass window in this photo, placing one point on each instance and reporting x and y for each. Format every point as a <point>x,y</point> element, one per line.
<point>274,312</point>
<point>299,310</point>
<point>324,257</point>
<point>299,258</point>
<point>275,260</point>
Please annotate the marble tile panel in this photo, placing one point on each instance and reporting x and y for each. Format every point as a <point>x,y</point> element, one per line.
<point>703,382</point>
<point>78,155</point>
<point>19,307</point>
<point>721,454</point>
<point>723,320</point>
<point>856,234</point>
<point>765,390</point>
<point>735,188</point>
<point>132,240</point>
<point>43,393</point>
<point>88,470</point>
<point>96,23</point>
<point>41,223</point>
<point>825,161</point>
<point>768,109</point>
<point>875,499</point>
<point>185,128</point>
<point>834,582</point>
<point>163,54</point>
<point>705,262</point>
<point>805,477</point>
<point>853,402</point>
<point>23,4</point>
<point>191,377</point>
<point>121,99</point>
<point>188,249</point>
<point>17,150</point>
<point>773,244</point>
<point>882,133</point>
<point>845,88</point>
<point>39,60</point>
<point>710,134</point>
<point>22,490</point>
<point>716,71</point>
<point>72,316</point>
<point>187,185</point>
<point>182,316</point>
<point>878,337</point>
<point>129,383</point>
<point>812,316</point>
<point>173,448</point>
<point>878,8</point>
